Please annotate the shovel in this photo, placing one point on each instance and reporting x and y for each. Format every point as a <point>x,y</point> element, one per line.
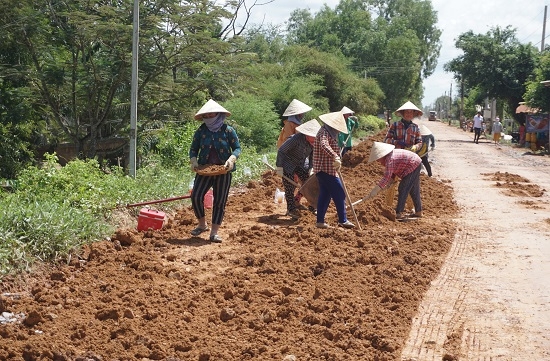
<point>349,200</point>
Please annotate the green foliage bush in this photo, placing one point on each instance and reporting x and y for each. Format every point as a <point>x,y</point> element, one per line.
<point>371,123</point>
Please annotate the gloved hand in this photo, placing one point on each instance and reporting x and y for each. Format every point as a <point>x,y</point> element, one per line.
<point>194,163</point>
<point>414,148</point>
<point>401,144</point>
<point>337,164</point>
<point>279,171</point>
<point>230,163</point>
<point>310,172</point>
<point>375,191</point>
<point>433,146</point>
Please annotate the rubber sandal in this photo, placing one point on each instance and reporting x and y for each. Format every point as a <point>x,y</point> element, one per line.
<point>216,239</point>
<point>346,224</point>
<point>197,231</point>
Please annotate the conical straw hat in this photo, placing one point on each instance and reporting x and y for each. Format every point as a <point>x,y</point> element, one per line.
<point>346,110</point>
<point>211,107</point>
<point>309,128</point>
<point>424,130</point>
<point>380,150</point>
<point>409,106</point>
<point>296,107</point>
<point>335,120</point>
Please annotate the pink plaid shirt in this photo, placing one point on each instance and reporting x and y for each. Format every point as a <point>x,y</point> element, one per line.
<point>325,150</point>
<point>399,163</point>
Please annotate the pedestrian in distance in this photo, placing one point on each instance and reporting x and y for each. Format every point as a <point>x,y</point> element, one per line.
<point>352,123</point>
<point>428,145</point>
<point>291,161</point>
<point>214,143</point>
<point>478,124</point>
<point>294,114</point>
<point>326,166</point>
<point>497,131</point>
<point>403,164</point>
<point>404,134</point>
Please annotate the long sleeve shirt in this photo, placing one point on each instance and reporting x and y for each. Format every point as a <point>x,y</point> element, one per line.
<point>325,150</point>
<point>426,141</point>
<point>222,144</point>
<point>344,140</point>
<point>294,152</point>
<point>399,163</point>
<point>404,132</point>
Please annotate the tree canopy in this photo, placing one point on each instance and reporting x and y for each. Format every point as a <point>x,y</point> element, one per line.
<point>495,63</point>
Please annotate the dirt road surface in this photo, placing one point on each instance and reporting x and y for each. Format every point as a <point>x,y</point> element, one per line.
<point>468,281</point>
<point>491,300</point>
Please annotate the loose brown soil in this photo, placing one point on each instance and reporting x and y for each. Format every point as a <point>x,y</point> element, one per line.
<point>275,289</point>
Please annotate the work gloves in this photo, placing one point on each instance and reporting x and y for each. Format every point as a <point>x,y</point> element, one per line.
<point>337,164</point>
<point>279,171</point>
<point>194,163</point>
<point>230,163</point>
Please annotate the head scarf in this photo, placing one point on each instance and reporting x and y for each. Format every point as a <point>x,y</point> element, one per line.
<point>333,132</point>
<point>215,123</point>
<point>295,119</point>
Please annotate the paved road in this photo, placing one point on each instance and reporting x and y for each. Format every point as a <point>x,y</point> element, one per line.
<point>491,300</point>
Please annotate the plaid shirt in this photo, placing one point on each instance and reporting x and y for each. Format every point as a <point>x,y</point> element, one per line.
<point>325,150</point>
<point>399,133</point>
<point>399,163</point>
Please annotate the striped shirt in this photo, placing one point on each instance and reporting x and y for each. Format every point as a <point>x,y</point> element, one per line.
<point>406,132</point>
<point>294,152</point>
<point>399,163</point>
<point>325,150</point>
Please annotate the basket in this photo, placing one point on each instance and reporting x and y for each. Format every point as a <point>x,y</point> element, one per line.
<point>310,190</point>
<point>211,169</point>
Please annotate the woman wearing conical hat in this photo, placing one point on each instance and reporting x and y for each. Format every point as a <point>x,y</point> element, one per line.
<point>403,164</point>
<point>404,134</point>
<point>326,164</point>
<point>428,141</point>
<point>294,114</point>
<point>214,142</point>
<point>291,161</point>
<point>344,140</point>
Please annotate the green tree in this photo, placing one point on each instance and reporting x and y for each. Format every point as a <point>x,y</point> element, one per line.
<point>495,63</point>
<point>395,42</point>
<point>76,62</point>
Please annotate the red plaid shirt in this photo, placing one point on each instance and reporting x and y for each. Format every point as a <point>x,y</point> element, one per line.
<point>399,163</point>
<point>325,150</point>
<point>410,136</point>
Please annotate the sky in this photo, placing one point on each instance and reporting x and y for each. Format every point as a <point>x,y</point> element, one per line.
<point>454,18</point>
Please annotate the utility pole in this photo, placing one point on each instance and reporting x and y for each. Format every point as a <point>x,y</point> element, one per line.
<point>543,30</point>
<point>133,91</point>
<point>450,102</point>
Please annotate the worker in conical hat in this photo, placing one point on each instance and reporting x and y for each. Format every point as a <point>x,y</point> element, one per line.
<point>428,144</point>
<point>295,158</point>
<point>294,114</point>
<point>403,164</point>
<point>214,143</point>
<point>404,134</point>
<point>344,140</point>
<point>326,166</point>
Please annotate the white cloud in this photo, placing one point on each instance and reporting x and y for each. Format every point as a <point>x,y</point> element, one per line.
<point>454,18</point>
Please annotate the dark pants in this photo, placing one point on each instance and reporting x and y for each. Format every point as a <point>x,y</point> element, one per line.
<point>427,165</point>
<point>220,185</point>
<point>290,188</point>
<point>330,187</point>
<point>410,184</point>
<point>477,133</point>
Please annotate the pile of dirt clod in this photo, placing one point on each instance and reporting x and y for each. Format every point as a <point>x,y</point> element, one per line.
<point>274,289</point>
